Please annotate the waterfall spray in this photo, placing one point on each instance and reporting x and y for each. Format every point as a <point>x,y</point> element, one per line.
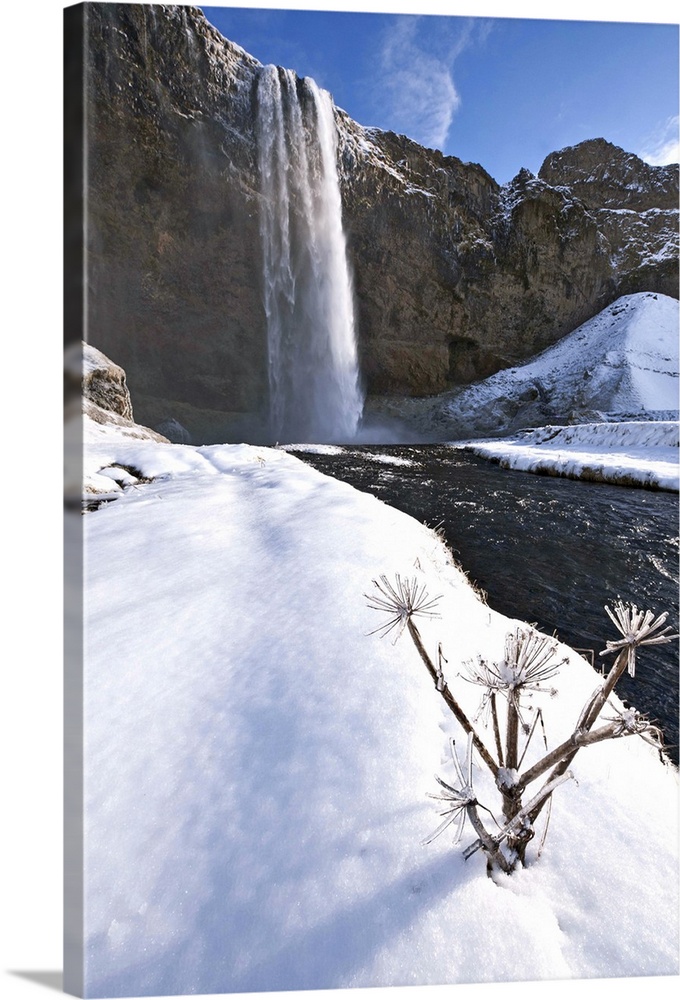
<point>314,384</point>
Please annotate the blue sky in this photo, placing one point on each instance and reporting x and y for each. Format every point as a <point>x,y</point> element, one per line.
<point>500,91</point>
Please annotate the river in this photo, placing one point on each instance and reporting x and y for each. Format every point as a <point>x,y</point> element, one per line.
<point>545,550</point>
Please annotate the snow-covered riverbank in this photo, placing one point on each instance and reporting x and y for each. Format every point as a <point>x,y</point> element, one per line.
<point>633,453</point>
<point>258,763</point>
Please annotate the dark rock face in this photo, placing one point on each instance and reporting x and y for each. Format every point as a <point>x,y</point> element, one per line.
<point>174,431</point>
<point>458,277</point>
<point>455,276</point>
<point>174,255</point>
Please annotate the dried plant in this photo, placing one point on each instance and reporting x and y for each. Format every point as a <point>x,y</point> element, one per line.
<point>638,628</point>
<point>403,601</point>
<point>456,799</point>
<point>530,661</point>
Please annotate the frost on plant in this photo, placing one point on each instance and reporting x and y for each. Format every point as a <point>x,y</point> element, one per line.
<point>638,628</point>
<point>457,799</point>
<point>630,722</point>
<point>401,601</point>
<point>530,661</point>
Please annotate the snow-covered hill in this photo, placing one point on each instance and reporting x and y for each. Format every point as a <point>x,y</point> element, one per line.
<point>623,363</point>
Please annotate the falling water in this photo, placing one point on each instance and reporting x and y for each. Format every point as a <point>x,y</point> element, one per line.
<point>314,385</point>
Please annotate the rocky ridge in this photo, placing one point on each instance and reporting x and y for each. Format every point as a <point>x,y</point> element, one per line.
<point>603,175</point>
<point>456,277</point>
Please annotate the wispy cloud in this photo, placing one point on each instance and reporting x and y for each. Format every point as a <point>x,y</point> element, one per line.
<point>663,146</point>
<point>415,86</point>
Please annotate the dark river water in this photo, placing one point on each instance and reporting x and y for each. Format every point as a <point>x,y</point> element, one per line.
<point>546,550</point>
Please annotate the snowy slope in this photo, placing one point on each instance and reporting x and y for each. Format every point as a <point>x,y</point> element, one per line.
<point>623,362</point>
<point>257,763</point>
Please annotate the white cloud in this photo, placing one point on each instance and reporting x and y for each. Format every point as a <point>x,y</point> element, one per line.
<point>415,85</point>
<point>664,146</point>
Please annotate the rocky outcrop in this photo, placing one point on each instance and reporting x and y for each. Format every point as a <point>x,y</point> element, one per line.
<point>620,365</point>
<point>456,276</point>
<point>104,383</point>
<point>97,387</point>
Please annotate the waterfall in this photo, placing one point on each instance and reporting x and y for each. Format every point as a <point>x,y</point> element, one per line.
<point>314,385</point>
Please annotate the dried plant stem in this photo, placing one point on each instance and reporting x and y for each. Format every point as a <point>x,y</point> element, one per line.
<point>512,800</point>
<point>538,717</point>
<point>536,803</point>
<point>517,832</point>
<point>599,698</point>
<point>512,733</point>
<point>563,755</point>
<point>529,662</point>
<point>491,845</point>
<point>565,752</point>
<point>496,729</point>
<point>445,692</point>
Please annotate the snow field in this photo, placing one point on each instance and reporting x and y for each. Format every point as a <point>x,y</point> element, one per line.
<point>257,764</point>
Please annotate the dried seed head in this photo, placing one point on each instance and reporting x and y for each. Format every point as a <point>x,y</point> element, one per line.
<point>402,600</point>
<point>529,661</point>
<point>637,628</point>
<point>455,799</point>
<point>630,722</point>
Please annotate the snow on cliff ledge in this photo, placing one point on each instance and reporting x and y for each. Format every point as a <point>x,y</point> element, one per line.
<point>257,764</point>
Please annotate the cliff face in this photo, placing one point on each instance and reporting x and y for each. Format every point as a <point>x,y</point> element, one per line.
<point>458,277</point>
<point>455,276</point>
<point>172,228</point>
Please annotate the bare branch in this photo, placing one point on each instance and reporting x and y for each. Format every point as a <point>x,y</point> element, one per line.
<point>446,694</point>
<point>496,729</point>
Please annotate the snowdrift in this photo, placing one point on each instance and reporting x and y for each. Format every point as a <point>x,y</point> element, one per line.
<point>258,763</point>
